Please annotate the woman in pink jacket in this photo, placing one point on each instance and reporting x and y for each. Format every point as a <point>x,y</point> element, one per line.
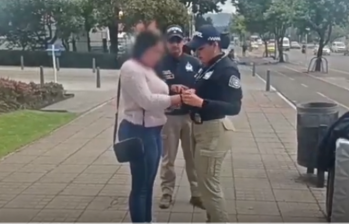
<point>144,98</point>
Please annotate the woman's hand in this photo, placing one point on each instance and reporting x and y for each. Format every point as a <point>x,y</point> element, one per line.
<point>178,88</point>
<point>190,98</point>
<point>176,100</point>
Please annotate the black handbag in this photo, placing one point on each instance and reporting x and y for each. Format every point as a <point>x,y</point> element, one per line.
<point>130,149</point>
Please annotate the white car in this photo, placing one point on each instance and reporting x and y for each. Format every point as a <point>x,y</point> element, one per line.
<point>338,47</point>
<point>325,51</point>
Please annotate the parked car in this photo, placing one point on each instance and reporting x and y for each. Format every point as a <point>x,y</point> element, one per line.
<point>325,51</point>
<point>338,47</point>
<point>254,45</point>
<point>286,44</point>
<point>295,45</point>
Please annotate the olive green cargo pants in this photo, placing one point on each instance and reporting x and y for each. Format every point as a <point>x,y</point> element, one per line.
<point>212,141</point>
<point>177,128</point>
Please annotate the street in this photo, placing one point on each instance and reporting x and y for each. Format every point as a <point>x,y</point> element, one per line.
<point>337,61</point>
<point>291,80</point>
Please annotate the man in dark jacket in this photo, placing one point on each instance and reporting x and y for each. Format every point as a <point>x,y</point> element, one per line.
<point>178,69</point>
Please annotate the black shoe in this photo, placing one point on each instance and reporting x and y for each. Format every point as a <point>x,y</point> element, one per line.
<point>197,202</point>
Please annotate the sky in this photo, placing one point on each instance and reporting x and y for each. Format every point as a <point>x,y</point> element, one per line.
<point>228,7</point>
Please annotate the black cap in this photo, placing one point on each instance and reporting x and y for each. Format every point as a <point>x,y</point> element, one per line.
<point>205,34</point>
<point>174,31</point>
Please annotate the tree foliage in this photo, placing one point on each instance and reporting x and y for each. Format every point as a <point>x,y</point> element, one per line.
<point>201,7</point>
<point>164,12</point>
<point>321,16</point>
<point>265,18</point>
<point>34,24</point>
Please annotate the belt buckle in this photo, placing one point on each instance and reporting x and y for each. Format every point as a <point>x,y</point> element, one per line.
<point>197,118</point>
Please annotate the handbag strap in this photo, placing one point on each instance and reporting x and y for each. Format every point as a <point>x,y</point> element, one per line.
<point>118,94</point>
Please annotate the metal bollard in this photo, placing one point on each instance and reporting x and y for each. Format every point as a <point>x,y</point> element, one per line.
<point>57,64</point>
<point>93,65</point>
<point>22,62</point>
<point>98,78</point>
<point>253,69</point>
<point>267,88</point>
<point>42,80</point>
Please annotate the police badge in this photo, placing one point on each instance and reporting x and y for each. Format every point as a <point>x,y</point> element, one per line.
<point>189,67</point>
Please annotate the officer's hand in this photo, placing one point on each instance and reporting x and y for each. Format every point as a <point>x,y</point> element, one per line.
<point>178,88</point>
<point>192,99</point>
<point>188,91</point>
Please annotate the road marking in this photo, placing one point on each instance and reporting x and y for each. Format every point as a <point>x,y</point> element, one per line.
<point>336,102</point>
<point>304,85</point>
<point>321,79</point>
<point>321,94</point>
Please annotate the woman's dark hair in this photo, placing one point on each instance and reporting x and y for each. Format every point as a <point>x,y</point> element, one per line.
<point>144,41</point>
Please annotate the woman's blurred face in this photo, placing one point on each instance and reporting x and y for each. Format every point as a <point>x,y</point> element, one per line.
<point>154,54</point>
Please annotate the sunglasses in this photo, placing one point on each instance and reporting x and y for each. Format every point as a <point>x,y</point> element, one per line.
<point>175,40</point>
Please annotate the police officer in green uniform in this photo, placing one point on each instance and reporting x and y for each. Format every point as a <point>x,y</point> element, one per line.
<point>217,94</point>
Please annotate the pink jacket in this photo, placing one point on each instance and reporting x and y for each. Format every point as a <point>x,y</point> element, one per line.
<point>142,90</point>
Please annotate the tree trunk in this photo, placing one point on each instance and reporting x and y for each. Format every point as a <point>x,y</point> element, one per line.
<point>65,43</point>
<point>73,42</point>
<point>114,41</point>
<point>88,38</point>
<point>280,49</point>
<point>318,62</point>
<point>266,48</point>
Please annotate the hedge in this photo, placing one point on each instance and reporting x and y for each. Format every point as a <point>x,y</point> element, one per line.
<point>66,59</point>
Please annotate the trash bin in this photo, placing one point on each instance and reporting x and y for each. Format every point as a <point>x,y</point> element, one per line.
<point>313,119</point>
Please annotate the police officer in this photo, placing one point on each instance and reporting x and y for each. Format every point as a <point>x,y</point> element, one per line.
<point>178,70</point>
<point>217,93</point>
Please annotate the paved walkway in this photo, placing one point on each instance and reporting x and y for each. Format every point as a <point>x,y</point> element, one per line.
<point>72,175</point>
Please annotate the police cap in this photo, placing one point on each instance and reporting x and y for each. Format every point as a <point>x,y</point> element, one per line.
<point>204,35</point>
<point>174,31</point>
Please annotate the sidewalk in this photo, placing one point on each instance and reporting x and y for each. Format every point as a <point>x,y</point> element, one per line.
<point>72,175</point>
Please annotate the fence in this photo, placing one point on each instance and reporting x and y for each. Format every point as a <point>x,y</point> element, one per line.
<point>66,60</point>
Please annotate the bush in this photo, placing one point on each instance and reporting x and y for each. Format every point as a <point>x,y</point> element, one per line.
<point>16,95</point>
<point>66,60</point>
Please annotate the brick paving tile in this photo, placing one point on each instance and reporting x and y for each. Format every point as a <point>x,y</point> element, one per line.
<point>72,174</point>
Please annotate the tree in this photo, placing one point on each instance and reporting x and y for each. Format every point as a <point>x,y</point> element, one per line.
<point>70,23</point>
<point>209,21</point>
<point>321,16</point>
<point>337,32</point>
<point>88,11</point>
<point>238,26</point>
<point>200,21</point>
<point>32,24</point>
<point>251,17</point>
<point>202,7</point>
<point>280,16</point>
<point>164,12</point>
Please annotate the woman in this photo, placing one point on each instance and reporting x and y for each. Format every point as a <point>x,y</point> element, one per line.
<point>144,97</point>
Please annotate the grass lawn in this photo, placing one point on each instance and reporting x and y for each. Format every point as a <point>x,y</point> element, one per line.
<point>22,127</point>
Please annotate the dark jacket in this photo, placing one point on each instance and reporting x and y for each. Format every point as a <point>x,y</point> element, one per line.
<point>178,71</point>
<point>219,85</point>
<point>327,146</point>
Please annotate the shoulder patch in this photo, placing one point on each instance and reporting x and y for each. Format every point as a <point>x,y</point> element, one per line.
<point>234,82</point>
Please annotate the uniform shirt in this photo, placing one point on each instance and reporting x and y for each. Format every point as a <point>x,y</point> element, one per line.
<point>178,71</point>
<point>220,88</point>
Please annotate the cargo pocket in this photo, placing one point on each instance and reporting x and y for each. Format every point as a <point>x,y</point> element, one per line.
<point>228,125</point>
<point>213,162</point>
